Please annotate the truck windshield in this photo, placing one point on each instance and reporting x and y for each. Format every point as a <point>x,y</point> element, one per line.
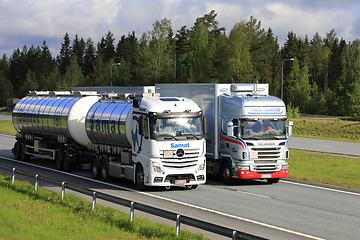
<point>177,127</point>
<point>263,129</point>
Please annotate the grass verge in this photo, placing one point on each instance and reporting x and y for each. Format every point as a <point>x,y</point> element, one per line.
<point>26,214</point>
<point>327,129</point>
<point>7,127</point>
<point>324,168</point>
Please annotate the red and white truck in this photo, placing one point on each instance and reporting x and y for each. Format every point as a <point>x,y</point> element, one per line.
<point>247,136</point>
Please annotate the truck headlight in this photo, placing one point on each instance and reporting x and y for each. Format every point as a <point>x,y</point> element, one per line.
<point>243,168</point>
<point>157,168</point>
<point>201,167</point>
<point>285,166</point>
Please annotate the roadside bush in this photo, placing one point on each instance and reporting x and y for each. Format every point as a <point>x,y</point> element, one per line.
<point>292,112</point>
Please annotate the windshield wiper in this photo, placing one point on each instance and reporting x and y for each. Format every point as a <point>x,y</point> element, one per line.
<point>192,136</point>
<point>171,137</point>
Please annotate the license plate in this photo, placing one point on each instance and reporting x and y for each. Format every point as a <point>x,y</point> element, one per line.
<point>266,176</point>
<point>178,182</point>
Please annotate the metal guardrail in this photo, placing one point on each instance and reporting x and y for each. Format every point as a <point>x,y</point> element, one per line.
<point>217,229</point>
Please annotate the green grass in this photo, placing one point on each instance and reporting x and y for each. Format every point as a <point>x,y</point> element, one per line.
<point>7,127</point>
<point>327,129</point>
<point>324,168</point>
<point>26,214</point>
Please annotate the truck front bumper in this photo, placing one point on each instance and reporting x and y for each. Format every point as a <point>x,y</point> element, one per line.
<point>255,175</point>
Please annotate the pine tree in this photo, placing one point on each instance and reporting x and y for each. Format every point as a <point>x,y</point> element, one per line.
<point>64,57</point>
<point>89,58</point>
<point>78,49</point>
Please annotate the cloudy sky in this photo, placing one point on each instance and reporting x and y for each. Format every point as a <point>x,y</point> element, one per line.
<point>30,22</point>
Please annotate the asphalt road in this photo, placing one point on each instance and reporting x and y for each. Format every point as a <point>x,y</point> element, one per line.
<point>287,210</point>
<point>327,146</point>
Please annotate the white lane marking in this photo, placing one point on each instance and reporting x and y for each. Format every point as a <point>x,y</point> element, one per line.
<point>322,188</point>
<point>177,202</point>
<point>253,194</point>
<point>7,135</point>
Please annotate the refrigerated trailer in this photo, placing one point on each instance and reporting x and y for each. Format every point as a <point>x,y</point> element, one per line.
<point>247,136</point>
<point>151,140</point>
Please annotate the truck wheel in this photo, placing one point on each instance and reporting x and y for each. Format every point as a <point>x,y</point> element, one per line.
<point>104,170</point>
<point>17,151</point>
<point>272,180</point>
<point>23,156</point>
<point>226,173</point>
<point>140,178</point>
<point>68,166</point>
<point>58,160</point>
<point>95,167</point>
<point>191,186</point>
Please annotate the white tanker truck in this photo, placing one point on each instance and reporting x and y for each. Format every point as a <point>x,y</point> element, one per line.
<point>145,138</point>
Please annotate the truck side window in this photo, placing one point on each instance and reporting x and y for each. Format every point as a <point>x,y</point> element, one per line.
<point>146,128</point>
<point>236,127</point>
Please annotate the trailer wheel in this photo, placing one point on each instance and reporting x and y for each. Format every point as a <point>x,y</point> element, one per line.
<point>226,173</point>
<point>17,151</point>
<point>140,178</point>
<point>273,180</point>
<point>23,156</point>
<point>68,166</point>
<point>104,170</point>
<point>95,167</point>
<point>58,160</point>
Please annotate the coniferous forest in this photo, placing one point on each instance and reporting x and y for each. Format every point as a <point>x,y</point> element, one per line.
<point>321,74</point>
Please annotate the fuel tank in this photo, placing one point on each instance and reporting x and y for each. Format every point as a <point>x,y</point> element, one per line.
<point>85,119</point>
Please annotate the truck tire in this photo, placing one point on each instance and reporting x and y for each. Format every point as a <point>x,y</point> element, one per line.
<point>191,186</point>
<point>23,156</point>
<point>58,160</point>
<point>104,172</point>
<point>226,173</point>
<point>140,177</point>
<point>273,180</point>
<point>17,151</point>
<point>95,168</point>
<point>68,165</point>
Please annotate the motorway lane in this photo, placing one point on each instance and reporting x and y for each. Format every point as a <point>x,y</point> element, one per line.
<point>255,206</point>
<point>326,146</point>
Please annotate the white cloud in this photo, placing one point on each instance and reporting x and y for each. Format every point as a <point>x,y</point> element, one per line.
<point>27,22</point>
<point>288,18</point>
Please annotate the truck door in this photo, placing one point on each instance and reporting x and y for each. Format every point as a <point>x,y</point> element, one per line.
<point>144,134</point>
<point>229,135</point>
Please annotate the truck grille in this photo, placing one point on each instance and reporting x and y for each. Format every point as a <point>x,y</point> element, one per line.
<point>265,159</point>
<point>188,160</point>
<point>266,168</point>
<point>267,153</point>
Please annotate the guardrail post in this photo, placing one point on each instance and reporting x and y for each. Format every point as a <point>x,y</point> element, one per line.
<point>132,211</point>
<point>13,176</point>
<point>178,225</point>
<point>234,235</point>
<point>94,201</point>
<point>62,190</point>
<point>36,182</point>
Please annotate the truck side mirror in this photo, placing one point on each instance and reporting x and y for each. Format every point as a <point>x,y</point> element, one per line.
<point>290,128</point>
<point>230,129</point>
<point>205,125</point>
